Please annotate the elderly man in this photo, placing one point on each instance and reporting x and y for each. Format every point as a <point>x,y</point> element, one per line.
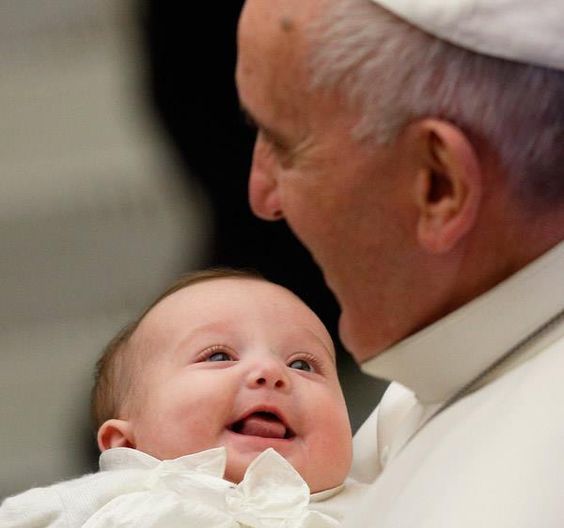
<point>416,147</point>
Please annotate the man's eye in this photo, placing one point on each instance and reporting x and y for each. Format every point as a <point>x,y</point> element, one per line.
<point>219,356</point>
<point>280,148</point>
<point>301,364</point>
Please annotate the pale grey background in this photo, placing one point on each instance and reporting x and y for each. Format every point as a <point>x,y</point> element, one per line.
<point>93,222</point>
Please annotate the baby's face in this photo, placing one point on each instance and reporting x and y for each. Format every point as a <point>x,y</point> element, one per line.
<point>244,364</point>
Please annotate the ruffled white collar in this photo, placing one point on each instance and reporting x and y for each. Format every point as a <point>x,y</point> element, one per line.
<point>268,469</point>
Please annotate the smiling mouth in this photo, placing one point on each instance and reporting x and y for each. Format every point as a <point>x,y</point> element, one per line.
<point>263,424</point>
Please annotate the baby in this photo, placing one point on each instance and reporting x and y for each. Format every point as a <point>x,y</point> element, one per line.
<point>195,402</point>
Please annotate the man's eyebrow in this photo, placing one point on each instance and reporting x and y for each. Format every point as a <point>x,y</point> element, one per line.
<point>254,123</point>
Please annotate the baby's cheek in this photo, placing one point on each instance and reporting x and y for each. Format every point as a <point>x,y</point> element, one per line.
<point>334,442</point>
<point>169,430</point>
<point>330,464</point>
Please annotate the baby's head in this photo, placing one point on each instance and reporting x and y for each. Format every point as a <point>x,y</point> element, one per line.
<point>225,358</point>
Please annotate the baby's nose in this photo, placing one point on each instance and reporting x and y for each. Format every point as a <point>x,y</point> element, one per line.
<point>276,382</point>
<point>269,374</point>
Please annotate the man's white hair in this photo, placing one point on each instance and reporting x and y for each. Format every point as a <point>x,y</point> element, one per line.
<point>394,73</point>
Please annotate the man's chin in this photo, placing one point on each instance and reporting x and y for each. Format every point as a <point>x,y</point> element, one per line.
<point>360,344</point>
<point>347,337</point>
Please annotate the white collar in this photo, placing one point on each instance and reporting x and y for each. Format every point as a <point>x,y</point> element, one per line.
<point>271,494</point>
<point>438,361</point>
<point>211,462</point>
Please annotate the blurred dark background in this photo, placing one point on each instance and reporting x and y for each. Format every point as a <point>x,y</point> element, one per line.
<point>191,52</point>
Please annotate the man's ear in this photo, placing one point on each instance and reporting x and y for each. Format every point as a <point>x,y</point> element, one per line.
<point>115,433</point>
<point>449,185</point>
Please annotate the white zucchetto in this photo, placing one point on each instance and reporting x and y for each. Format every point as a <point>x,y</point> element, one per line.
<point>529,31</point>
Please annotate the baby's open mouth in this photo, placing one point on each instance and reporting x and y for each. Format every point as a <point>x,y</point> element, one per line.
<point>264,424</point>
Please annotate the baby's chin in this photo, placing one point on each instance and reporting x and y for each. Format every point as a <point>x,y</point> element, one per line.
<point>235,472</point>
<point>237,466</point>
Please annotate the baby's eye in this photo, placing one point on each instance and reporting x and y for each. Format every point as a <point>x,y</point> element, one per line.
<point>219,356</point>
<point>301,364</point>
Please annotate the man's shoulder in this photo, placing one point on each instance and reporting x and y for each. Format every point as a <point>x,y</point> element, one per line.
<point>493,458</point>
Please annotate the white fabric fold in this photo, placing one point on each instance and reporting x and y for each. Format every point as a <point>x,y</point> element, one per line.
<point>271,491</point>
<point>210,462</point>
<point>190,491</point>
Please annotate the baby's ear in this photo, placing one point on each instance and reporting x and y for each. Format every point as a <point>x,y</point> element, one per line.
<point>115,433</point>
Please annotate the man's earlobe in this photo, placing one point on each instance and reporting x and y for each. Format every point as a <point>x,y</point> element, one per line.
<point>115,433</point>
<point>448,186</point>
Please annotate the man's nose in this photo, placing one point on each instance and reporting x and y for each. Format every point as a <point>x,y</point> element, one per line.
<point>268,373</point>
<point>264,195</point>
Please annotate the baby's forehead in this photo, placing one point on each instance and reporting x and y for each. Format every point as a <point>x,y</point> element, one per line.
<point>227,304</point>
<point>224,296</point>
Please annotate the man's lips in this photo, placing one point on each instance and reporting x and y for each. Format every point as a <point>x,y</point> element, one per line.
<point>265,424</point>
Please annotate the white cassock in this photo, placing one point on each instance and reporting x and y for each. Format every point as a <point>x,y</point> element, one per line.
<point>471,434</point>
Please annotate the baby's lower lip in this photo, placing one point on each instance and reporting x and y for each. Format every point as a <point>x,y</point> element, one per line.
<point>263,425</point>
<point>259,443</point>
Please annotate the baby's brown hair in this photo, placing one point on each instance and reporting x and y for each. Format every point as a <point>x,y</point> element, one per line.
<point>114,370</point>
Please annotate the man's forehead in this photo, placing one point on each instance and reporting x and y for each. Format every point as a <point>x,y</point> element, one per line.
<point>278,13</point>
<point>272,65</point>
<point>278,18</point>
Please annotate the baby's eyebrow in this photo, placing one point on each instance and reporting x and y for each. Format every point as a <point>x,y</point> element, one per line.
<point>330,350</point>
<point>215,328</point>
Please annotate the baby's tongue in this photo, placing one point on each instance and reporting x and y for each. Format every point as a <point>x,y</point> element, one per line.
<point>267,427</point>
